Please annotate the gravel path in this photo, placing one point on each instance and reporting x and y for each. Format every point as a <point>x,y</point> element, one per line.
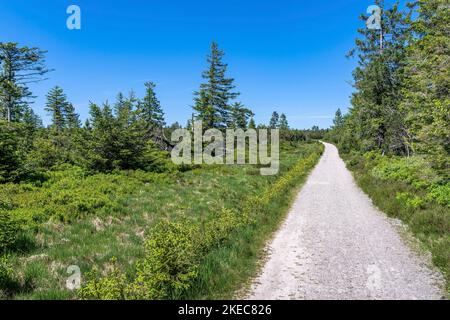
<point>335,244</point>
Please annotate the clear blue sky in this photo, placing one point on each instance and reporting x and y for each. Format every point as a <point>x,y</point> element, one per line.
<point>287,56</point>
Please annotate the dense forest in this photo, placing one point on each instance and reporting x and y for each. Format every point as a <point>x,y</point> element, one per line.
<point>396,135</point>
<point>400,105</point>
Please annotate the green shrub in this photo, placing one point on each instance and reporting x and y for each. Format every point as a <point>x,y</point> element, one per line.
<point>69,193</point>
<point>219,227</point>
<point>113,286</point>
<point>409,200</point>
<point>6,271</point>
<point>413,170</point>
<point>440,193</point>
<point>170,263</point>
<point>8,278</point>
<point>9,230</point>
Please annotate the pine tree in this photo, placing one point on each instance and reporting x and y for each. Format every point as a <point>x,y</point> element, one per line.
<point>274,120</point>
<point>56,105</point>
<point>283,123</point>
<point>212,101</point>
<point>19,67</point>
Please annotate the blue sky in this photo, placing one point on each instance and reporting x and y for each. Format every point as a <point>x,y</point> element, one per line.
<point>287,56</point>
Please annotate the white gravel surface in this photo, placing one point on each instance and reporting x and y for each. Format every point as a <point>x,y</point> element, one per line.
<point>335,244</point>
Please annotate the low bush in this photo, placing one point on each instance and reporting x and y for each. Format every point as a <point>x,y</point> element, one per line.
<point>9,231</point>
<point>69,193</point>
<point>413,170</point>
<point>440,193</point>
<point>409,200</point>
<point>8,278</point>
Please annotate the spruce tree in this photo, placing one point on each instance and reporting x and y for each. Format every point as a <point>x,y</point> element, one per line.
<point>11,161</point>
<point>338,120</point>
<point>251,123</point>
<point>426,91</point>
<point>240,116</point>
<point>149,111</point>
<point>274,120</point>
<point>19,67</point>
<point>379,122</point>
<point>71,117</point>
<point>283,123</point>
<point>212,101</point>
<point>57,105</point>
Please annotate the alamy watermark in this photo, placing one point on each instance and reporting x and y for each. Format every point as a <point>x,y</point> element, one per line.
<point>374,20</point>
<point>229,148</point>
<point>73,22</point>
<point>73,282</point>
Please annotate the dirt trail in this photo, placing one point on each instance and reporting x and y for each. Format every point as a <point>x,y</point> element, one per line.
<point>335,244</point>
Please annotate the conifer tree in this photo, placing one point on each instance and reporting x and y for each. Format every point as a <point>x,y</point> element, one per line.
<point>57,105</point>
<point>251,123</point>
<point>150,112</point>
<point>240,116</point>
<point>379,122</point>
<point>10,155</point>
<point>427,86</point>
<point>71,117</point>
<point>338,120</point>
<point>212,101</point>
<point>274,120</point>
<point>19,67</point>
<point>283,123</point>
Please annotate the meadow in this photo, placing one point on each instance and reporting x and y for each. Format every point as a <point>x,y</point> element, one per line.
<point>191,233</point>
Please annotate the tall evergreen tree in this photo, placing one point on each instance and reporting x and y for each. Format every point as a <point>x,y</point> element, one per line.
<point>71,117</point>
<point>274,120</point>
<point>32,122</point>
<point>150,112</point>
<point>57,105</point>
<point>338,120</point>
<point>19,67</point>
<point>212,101</point>
<point>283,123</point>
<point>11,161</point>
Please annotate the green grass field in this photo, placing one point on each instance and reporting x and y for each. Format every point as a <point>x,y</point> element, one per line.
<point>86,220</point>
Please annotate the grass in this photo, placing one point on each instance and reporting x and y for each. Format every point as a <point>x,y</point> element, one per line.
<point>126,205</point>
<point>403,188</point>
